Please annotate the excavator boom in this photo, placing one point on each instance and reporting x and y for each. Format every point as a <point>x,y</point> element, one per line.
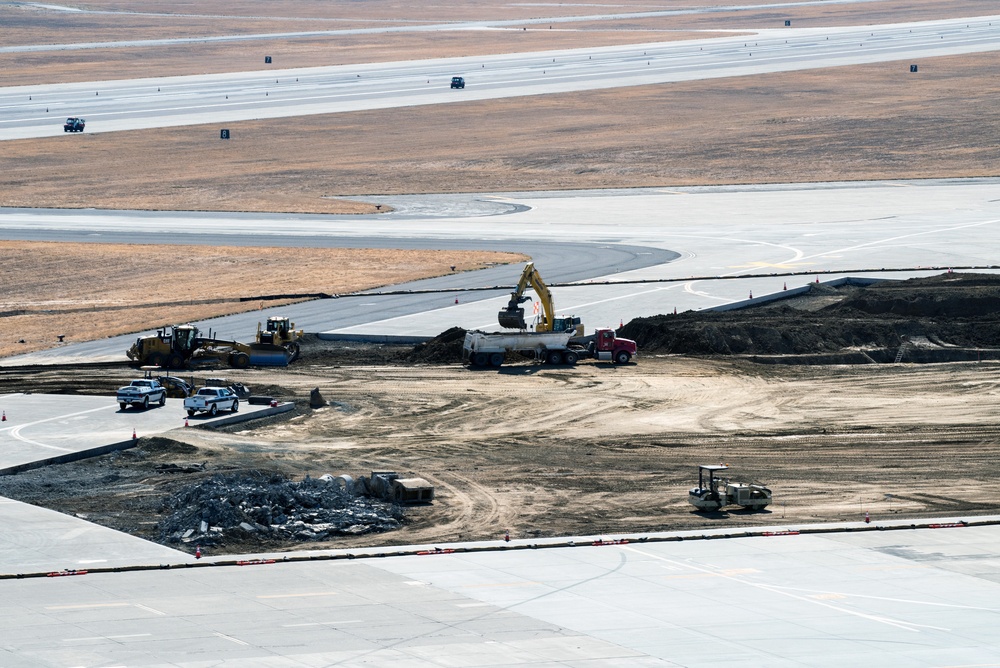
<point>513,316</point>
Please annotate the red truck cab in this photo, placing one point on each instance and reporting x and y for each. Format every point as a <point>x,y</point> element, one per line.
<point>607,346</point>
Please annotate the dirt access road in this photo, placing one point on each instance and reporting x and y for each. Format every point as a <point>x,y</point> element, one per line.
<point>595,449</point>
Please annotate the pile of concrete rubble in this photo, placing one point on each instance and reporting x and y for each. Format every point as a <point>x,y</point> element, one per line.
<point>269,505</point>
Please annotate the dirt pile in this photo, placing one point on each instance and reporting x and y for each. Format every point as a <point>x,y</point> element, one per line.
<point>444,348</point>
<point>269,505</point>
<point>975,296</point>
<point>950,310</point>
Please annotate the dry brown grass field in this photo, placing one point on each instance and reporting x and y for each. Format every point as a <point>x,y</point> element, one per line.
<point>91,291</point>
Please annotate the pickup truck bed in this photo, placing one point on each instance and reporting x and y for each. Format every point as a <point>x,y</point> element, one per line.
<point>211,400</point>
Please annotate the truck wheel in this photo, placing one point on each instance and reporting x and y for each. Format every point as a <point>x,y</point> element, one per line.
<point>123,405</point>
<point>240,361</point>
<point>571,357</point>
<point>622,357</point>
<point>236,406</point>
<point>176,361</point>
<point>496,359</point>
<point>156,359</point>
<point>214,410</point>
<point>480,359</point>
<point>555,357</point>
<point>145,403</point>
<point>191,413</point>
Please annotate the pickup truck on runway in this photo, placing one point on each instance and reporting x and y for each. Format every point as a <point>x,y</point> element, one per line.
<point>142,393</point>
<point>210,400</point>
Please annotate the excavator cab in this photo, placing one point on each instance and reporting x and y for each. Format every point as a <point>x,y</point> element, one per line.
<point>569,324</point>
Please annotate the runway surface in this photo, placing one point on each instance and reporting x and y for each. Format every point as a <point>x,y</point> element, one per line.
<point>666,236</point>
<point>925,597</point>
<point>38,111</point>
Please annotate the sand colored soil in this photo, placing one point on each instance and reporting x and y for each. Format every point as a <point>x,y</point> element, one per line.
<point>593,449</point>
<point>90,291</point>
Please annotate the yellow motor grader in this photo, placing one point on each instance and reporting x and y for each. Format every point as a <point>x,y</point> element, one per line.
<point>181,346</point>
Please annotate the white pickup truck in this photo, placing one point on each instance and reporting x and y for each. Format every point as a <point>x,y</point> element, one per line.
<point>210,400</point>
<point>142,393</point>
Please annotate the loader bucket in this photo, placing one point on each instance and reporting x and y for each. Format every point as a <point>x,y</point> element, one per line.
<point>512,318</point>
<point>266,354</point>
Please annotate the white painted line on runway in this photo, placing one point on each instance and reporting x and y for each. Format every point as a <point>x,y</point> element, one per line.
<point>231,639</point>
<point>133,635</point>
<point>889,598</point>
<point>897,623</point>
<point>337,623</point>
<point>903,236</point>
<point>16,431</point>
<point>149,609</point>
<point>87,606</point>
<point>318,593</point>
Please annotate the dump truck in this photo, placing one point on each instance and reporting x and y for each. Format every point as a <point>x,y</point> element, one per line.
<point>482,349</point>
<point>180,346</point>
<point>713,493</point>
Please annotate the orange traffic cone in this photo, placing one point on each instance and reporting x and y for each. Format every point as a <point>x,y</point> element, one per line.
<point>675,310</point>
<point>456,300</point>
<point>134,437</point>
<point>817,279</point>
<point>784,286</point>
<point>751,294</point>
<point>621,323</point>
<point>186,423</point>
<point>197,552</point>
<point>867,519</point>
<point>506,536</point>
<point>4,417</point>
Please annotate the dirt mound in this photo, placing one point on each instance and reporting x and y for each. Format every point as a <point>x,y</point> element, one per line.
<point>945,296</point>
<point>947,310</point>
<point>158,445</point>
<point>777,332</point>
<point>444,348</point>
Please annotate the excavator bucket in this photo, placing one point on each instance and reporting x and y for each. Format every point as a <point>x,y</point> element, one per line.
<point>512,318</point>
<point>267,354</point>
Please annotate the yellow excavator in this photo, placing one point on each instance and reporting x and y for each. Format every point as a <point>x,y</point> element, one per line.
<point>512,317</point>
